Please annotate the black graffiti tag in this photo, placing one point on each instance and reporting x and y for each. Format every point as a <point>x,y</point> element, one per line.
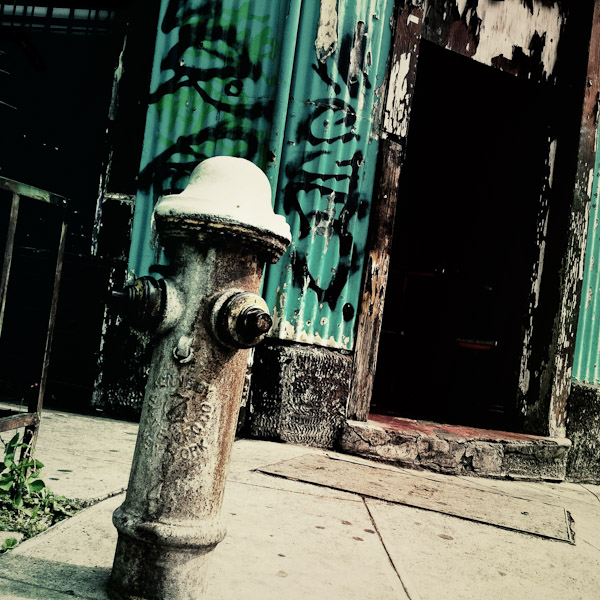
<point>337,118</point>
<point>218,79</point>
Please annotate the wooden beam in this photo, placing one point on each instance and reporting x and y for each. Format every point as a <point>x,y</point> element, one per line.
<point>19,420</point>
<point>396,116</point>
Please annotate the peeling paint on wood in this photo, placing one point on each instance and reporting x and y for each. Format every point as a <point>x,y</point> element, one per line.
<point>573,264</point>
<point>374,285</point>
<point>397,106</point>
<point>106,167</point>
<point>509,28</point>
<point>403,70</point>
<point>537,273</point>
<point>517,37</point>
<point>566,321</point>
<point>401,83</point>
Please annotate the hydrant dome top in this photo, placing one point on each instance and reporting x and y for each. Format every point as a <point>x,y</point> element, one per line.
<point>227,188</point>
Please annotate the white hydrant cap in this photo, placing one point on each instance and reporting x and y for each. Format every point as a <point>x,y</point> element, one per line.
<point>228,188</point>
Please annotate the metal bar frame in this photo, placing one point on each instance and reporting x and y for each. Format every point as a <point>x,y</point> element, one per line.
<point>8,254</point>
<point>30,420</point>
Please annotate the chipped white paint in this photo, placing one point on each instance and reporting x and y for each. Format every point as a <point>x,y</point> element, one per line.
<point>284,330</point>
<point>413,19</point>
<point>509,25</point>
<point>461,5</point>
<point>470,14</point>
<point>540,265</point>
<point>583,242</point>
<point>569,301</point>
<point>552,159</point>
<point>396,110</point>
<point>590,183</point>
<point>524,372</point>
<point>327,34</point>
<point>536,275</point>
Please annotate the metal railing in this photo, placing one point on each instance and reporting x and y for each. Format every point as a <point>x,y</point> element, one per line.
<point>30,420</point>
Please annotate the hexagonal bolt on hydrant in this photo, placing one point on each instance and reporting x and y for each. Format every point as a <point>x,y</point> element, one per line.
<point>217,235</point>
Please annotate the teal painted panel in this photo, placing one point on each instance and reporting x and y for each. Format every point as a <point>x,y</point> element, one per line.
<point>586,363</point>
<point>296,88</point>
<point>213,85</point>
<point>327,169</point>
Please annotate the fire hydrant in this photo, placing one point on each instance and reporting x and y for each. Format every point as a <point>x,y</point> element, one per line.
<point>216,234</point>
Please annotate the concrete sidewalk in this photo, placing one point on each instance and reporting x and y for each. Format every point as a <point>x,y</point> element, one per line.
<point>290,539</point>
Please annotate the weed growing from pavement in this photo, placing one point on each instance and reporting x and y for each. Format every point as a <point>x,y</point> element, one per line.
<point>27,506</point>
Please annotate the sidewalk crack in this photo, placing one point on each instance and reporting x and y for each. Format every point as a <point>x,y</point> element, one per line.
<point>590,491</point>
<point>592,545</point>
<point>409,588</point>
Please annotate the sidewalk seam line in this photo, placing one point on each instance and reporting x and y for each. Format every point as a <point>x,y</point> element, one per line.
<point>590,491</point>
<point>44,587</point>
<point>266,487</point>
<point>591,545</point>
<point>403,577</point>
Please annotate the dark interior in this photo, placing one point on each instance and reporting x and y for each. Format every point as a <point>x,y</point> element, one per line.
<point>60,127</point>
<point>464,243</point>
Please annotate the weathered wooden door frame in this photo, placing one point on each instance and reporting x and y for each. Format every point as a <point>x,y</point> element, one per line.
<point>402,75</point>
<point>394,131</point>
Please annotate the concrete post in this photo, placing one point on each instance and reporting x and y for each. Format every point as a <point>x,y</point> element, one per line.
<point>216,234</point>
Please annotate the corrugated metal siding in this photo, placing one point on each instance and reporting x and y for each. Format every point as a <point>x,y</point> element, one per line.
<point>586,363</point>
<point>328,167</point>
<point>215,78</point>
<point>213,82</point>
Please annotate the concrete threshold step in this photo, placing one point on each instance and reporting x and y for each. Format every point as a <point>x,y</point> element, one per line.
<point>457,450</point>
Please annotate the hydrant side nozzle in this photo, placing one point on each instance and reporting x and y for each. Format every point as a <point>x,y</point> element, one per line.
<point>146,302</point>
<point>239,319</point>
<point>149,304</point>
<point>255,321</point>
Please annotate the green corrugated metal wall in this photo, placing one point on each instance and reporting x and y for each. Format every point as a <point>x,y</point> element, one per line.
<point>213,82</point>
<point>294,87</point>
<point>586,364</point>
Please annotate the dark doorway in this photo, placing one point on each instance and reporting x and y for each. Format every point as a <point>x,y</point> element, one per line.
<point>474,180</point>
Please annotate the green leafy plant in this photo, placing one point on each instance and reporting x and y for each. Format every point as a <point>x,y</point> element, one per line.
<point>8,544</point>
<point>19,479</point>
<point>26,505</point>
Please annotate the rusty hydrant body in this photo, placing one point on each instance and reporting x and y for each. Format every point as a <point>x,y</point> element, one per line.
<point>216,235</point>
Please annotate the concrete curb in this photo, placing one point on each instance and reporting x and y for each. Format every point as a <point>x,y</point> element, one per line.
<point>443,451</point>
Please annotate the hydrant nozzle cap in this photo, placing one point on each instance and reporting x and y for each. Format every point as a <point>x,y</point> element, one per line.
<point>225,188</point>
